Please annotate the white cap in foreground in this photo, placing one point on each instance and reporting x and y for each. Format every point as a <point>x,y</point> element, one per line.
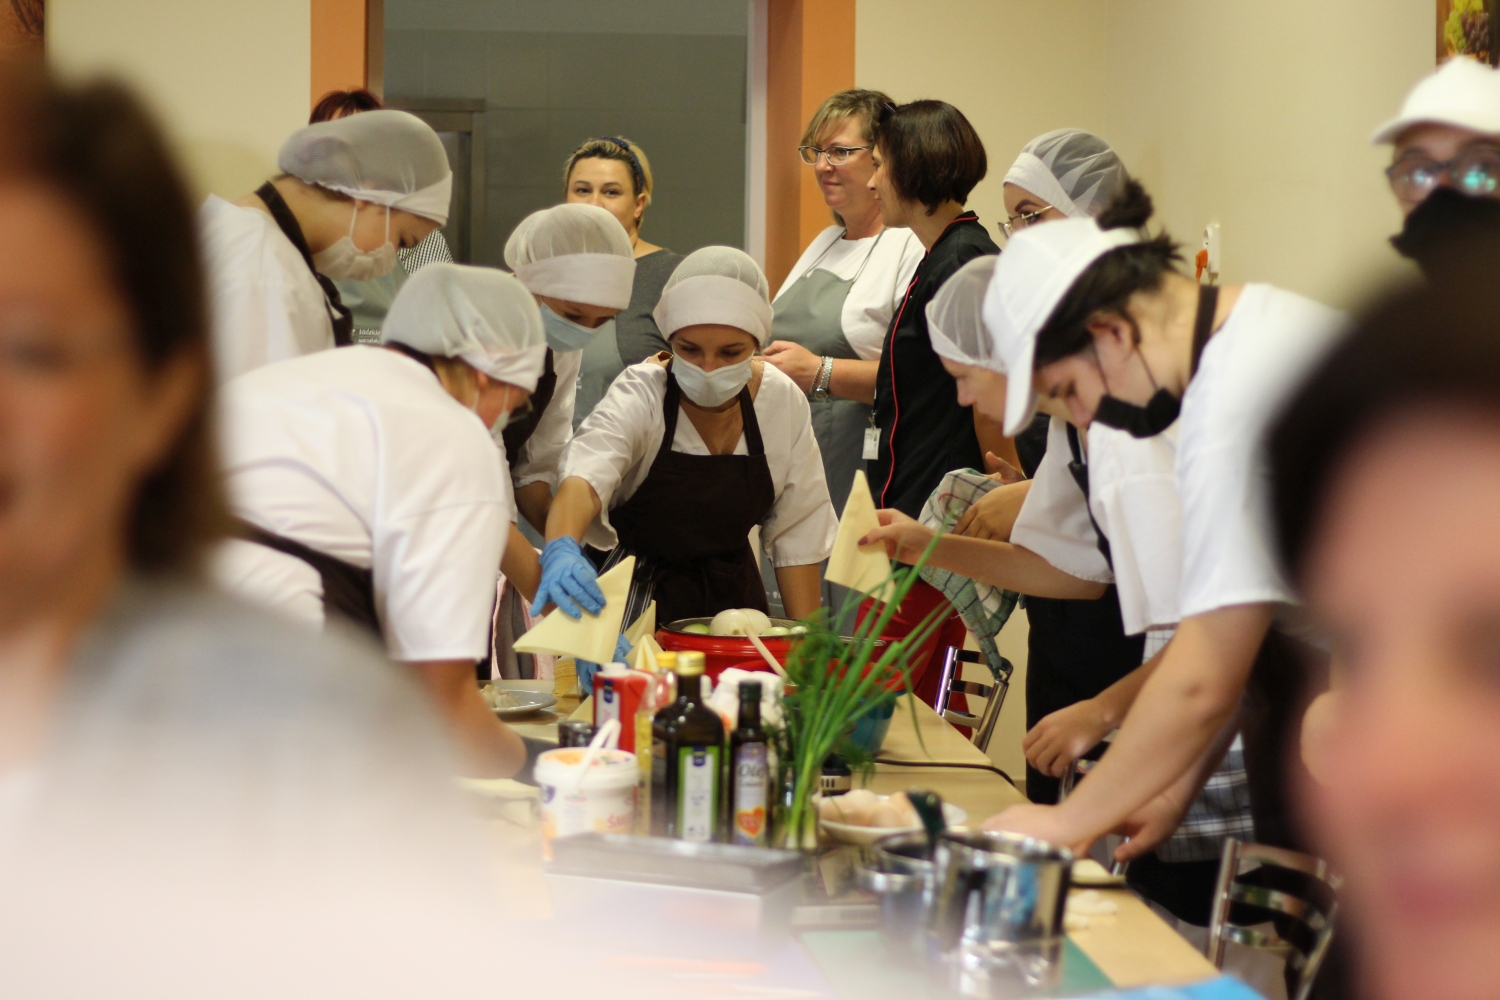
<point>1037,270</point>
<point>1075,171</point>
<point>1462,92</point>
<point>719,285</point>
<point>479,315</point>
<point>955,320</point>
<point>391,158</point>
<point>574,252</point>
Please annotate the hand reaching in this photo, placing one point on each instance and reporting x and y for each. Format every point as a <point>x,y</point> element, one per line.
<point>1002,471</point>
<point>1064,736</point>
<point>904,538</point>
<point>569,580</point>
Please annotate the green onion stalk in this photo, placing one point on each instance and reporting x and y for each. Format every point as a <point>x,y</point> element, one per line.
<point>833,682</point>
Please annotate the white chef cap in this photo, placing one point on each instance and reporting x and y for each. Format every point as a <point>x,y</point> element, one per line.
<point>955,322</point>
<point>477,314</point>
<point>574,252</point>
<point>716,285</point>
<point>1039,267</point>
<point>1075,171</point>
<point>389,157</point>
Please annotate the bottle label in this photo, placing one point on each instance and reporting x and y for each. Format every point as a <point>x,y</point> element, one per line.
<point>697,798</point>
<point>751,784</point>
<point>608,704</point>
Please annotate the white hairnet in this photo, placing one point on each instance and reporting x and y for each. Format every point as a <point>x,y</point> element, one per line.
<point>718,285</point>
<point>476,314</point>
<point>955,322</point>
<point>574,252</point>
<point>389,157</point>
<point>1075,171</point>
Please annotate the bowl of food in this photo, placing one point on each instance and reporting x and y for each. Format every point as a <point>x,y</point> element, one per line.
<point>861,817</point>
<point>723,639</point>
<point>512,703</point>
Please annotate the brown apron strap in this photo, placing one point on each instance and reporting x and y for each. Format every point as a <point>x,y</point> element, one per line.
<point>340,314</point>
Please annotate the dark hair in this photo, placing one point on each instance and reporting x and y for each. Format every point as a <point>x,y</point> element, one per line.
<point>930,151</point>
<point>95,145</point>
<point>1109,282</point>
<point>342,103</point>
<point>1432,347</point>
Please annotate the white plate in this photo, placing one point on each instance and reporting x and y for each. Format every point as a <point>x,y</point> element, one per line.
<point>529,702</point>
<point>865,836</point>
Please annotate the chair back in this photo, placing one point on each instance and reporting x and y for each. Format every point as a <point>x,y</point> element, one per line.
<point>1275,900</point>
<point>981,724</point>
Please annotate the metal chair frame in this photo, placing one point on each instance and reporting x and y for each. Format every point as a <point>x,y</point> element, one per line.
<point>951,683</point>
<point>1310,914</point>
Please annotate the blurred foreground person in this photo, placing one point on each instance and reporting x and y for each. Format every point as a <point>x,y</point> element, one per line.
<point>1401,574</point>
<point>218,803</point>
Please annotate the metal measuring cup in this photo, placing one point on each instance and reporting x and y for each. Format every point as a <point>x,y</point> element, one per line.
<point>995,924</point>
<point>897,870</point>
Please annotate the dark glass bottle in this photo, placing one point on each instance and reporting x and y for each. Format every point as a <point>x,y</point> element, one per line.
<point>687,746</point>
<point>749,773</point>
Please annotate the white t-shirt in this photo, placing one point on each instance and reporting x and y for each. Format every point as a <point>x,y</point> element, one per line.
<point>540,454</point>
<point>874,298</point>
<point>1054,521</point>
<point>617,442</point>
<point>1259,356</point>
<point>266,304</point>
<point>1133,494</point>
<point>360,454</point>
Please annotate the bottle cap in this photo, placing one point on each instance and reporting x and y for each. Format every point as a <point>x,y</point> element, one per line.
<point>690,664</point>
<point>750,690</point>
<point>666,660</point>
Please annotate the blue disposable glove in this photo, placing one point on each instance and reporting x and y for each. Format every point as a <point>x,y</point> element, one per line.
<point>586,669</point>
<point>569,580</point>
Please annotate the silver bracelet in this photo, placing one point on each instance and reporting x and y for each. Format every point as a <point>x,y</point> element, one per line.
<point>821,380</point>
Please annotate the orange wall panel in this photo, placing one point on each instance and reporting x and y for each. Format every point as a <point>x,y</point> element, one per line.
<point>809,55</point>
<point>339,32</point>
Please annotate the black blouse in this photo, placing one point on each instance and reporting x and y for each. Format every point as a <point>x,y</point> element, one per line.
<point>924,433</point>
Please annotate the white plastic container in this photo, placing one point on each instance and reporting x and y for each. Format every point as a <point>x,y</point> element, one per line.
<point>604,801</point>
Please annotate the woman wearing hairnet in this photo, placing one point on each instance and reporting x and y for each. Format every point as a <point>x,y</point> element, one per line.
<point>577,261</point>
<point>370,487</point>
<point>351,192</point>
<point>683,494</point>
<point>1081,528</point>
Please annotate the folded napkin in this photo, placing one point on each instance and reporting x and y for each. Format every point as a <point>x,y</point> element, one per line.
<point>589,637</point>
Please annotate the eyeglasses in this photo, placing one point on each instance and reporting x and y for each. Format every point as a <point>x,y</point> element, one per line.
<point>837,155</point>
<point>1021,220</point>
<point>1474,172</point>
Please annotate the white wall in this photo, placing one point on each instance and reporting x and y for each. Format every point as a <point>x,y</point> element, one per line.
<point>229,79</point>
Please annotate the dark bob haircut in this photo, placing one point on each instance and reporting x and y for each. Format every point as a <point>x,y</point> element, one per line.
<point>342,104</point>
<point>931,153</point>
<point>1432,347</point>
<point>1109,282</point>
<point>94,145</point>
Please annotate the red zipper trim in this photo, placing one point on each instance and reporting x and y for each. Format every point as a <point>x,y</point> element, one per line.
<point>895,399</point>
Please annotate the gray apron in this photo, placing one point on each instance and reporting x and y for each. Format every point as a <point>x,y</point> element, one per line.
<point>811,314</point>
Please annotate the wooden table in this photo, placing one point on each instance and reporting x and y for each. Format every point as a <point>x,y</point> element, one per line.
<point>1133,947</point>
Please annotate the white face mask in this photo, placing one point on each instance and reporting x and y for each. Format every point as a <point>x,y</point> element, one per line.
<point>346,262</point>
<point>565,335</point>
<point>711,388</point>
<point>507,416</point>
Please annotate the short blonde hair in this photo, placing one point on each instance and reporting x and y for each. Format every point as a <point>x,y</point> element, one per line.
<point>458,377</point>
<point>615,148</point>
<point>864,104</point>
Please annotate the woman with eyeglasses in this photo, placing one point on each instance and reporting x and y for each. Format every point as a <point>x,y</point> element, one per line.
<point>1445,161</point>
<point>370,490</point>
<point>614,173</point>
<point>834,307</point>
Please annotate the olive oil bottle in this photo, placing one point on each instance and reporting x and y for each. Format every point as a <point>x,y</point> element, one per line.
<point>687,746</point>
<point>749,773</point>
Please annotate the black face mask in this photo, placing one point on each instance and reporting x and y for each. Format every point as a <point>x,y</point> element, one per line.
<point>1444,225</point>
<point>1139,421</point>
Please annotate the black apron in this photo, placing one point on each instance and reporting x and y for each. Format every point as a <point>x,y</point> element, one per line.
<point>348,591</point>
<point>519,432</point>
<point>338,313</point>
<point>688,524</point>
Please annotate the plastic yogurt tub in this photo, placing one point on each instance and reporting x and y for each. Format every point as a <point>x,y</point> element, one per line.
<point>604,802</point>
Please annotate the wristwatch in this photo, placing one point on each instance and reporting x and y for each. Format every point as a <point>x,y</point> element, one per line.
<point>821,380</point>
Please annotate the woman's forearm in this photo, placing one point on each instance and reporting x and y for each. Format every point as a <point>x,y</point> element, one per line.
<point>854,379</point>
<point>1011,567</point>
<point>533,501</point>
<point>1114,701</point>
<point>1180,712</point>
<point>801,589</point>
<point>573,509</point>
<point>520,564</point>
